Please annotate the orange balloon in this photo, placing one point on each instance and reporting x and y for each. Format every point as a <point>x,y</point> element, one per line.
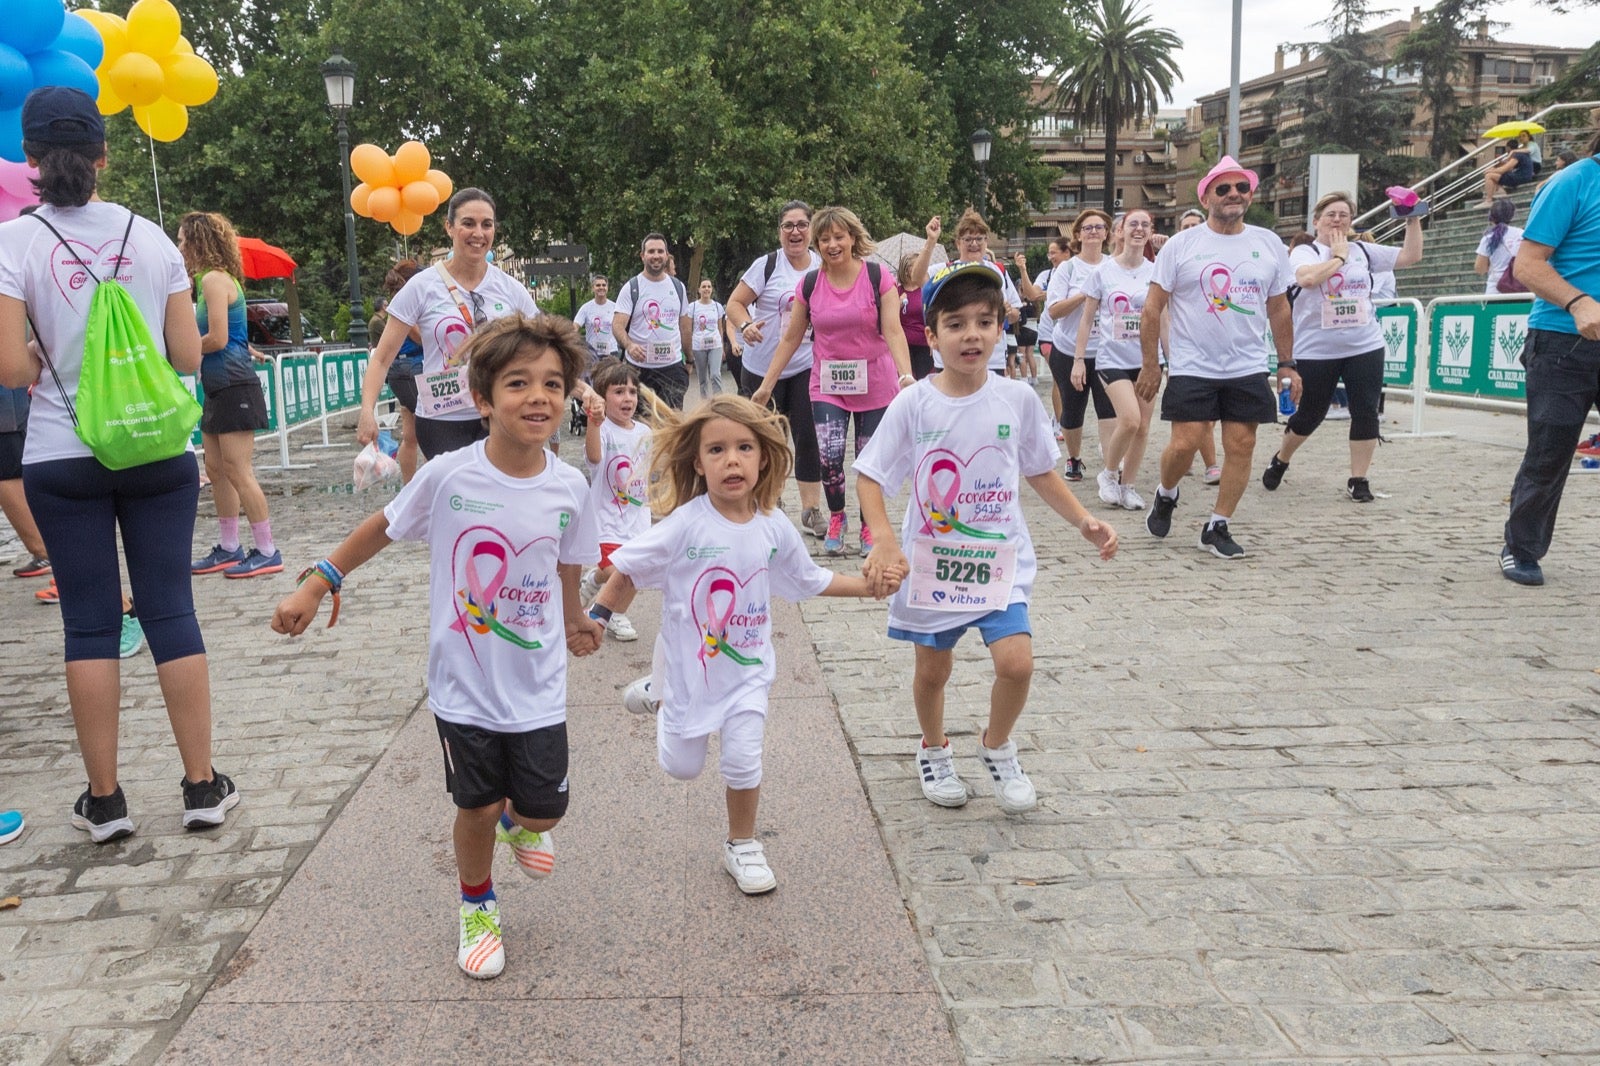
<point>420,198</point>
<point>383,203</point>
<point>406,223</point>
<point>358,199</point>
<point>373,166</point>
<point>411,163</point>
<point>441,181</point>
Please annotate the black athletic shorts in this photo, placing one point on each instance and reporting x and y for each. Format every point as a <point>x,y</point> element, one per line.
<point>1109,374</point>
<point>483,767</point>
<point>1193,399</point>
<point>404,387</point>
<point>234,409</point>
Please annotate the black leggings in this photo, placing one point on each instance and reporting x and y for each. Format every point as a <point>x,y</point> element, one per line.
<point>792,398</point>
<point>832,423</point>
<point>79,506</point>
<point>1363,380</point>
<point>1074,402</point>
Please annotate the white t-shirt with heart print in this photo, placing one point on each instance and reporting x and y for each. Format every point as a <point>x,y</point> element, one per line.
<point>52,280</point>
<point>497,639</point>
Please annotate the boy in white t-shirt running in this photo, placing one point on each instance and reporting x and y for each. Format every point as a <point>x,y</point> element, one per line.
<point>617,454</point>
<point>509,529</point>
<point>964,439</point>
<point>719,556</point>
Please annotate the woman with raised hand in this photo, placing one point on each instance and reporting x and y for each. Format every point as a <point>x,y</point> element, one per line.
<point>79,503</point>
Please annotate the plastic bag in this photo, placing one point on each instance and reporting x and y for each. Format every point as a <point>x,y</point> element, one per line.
<point>372,467</point>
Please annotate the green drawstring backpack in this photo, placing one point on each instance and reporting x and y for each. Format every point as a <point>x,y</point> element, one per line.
<point>132,407</point>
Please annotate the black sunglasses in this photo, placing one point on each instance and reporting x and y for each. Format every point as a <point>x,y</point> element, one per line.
<point>1223,189</point>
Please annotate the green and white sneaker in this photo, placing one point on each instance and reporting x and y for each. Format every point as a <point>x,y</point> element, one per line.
<point>480,953</point>
<point>535,852</point>
<point>132,636</point>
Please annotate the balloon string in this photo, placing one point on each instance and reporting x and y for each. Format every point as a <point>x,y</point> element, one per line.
<point>160,220</point>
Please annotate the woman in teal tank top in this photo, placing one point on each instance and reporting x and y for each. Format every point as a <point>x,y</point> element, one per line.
<point>235,406</point>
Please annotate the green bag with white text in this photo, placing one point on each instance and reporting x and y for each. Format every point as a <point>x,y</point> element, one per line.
<point>132,408</point>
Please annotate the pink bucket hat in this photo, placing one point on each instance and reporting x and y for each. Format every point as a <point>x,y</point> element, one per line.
<point>1227,165</point>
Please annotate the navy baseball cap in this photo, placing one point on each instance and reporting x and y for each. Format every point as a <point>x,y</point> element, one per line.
<point>60,115</point>
<point>941,277</point>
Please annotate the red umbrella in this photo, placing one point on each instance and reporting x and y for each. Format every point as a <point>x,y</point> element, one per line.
<point>263,260</point>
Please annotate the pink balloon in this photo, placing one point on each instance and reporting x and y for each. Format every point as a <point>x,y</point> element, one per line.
<point>14,180</point>
<point>11,206</point>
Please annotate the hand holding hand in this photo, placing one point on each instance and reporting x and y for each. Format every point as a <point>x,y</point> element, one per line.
<point>584,636</point>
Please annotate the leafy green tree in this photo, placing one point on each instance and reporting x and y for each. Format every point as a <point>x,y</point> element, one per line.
<point>979,59</point>
<point>1121,72</point>
<point>1348,106</point>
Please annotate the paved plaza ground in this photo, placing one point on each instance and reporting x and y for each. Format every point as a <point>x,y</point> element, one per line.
<point>1336,802</point>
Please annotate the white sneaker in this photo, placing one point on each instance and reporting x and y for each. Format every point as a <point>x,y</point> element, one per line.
<point>619,626</point>
<point>480,953</point>
<point>1110,487</point>
<point>535,852</point>
<point>940,784</point>
<point>588,586</point>
<point>1131,499</point>
<point>639,697</point>
<point>1213,475</point>
<point>746,863</point>
<point>1011,786</point>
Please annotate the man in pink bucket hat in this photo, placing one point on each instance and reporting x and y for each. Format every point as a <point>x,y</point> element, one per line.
<point>1223,284</point>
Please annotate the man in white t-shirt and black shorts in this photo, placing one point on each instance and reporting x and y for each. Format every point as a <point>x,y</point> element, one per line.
<point>594,320</point>
<point>1222,283</point>
<point>652,321</point>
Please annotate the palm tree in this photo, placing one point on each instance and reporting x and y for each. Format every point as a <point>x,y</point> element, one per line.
<point>1123,70</point>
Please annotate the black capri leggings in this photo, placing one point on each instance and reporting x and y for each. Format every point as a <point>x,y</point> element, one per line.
<point>1074,402</point>
<point>79,505</point>
<point>792,398</point>
<point>1363,380</point>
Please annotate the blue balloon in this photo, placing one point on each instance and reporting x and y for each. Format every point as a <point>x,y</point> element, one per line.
<point>30,25</point>
<point>59,68</point>
<point>11,135</point>
<point>82,40</point>
<point>16,77</point>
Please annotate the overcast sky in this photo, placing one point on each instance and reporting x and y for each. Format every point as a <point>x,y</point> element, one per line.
<point>1205,26</point>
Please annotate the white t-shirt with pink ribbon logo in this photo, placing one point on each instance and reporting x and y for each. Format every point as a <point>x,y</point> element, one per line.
<point>1219,286</point>
<point>1319,334</point>
<point>53,281</point>
<point>595,321</point>
<point>705,332</point>
<point>1120,293</point>
<point>426,303</point>
<point>619,484</point>
<point>965,459</point>
<point>715,654</point>
<point>497,645</point>
<point>775,296</point>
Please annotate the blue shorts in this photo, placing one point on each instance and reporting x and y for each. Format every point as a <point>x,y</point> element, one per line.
<point>992,627</point>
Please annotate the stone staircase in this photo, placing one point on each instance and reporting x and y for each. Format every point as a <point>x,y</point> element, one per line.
<point>1449,247</point>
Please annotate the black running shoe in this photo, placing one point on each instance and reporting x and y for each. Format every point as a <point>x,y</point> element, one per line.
<point>1074,470</point>
<point>206,803</point>
<point>1272,476</point>
<point>1360,491</point>
<point>1216,540</point>
<point>38,566</point>
<point>1158,520</point>
<point>105,817</point>
<point>1521,571</point>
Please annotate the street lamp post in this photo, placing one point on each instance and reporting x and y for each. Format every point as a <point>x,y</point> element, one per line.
<point>339,78</point>
<point>982,141</point>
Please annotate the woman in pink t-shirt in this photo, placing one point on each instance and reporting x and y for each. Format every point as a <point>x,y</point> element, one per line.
<point>860,356</point>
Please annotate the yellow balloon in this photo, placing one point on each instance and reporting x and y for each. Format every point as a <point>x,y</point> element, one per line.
<point>406,223</point>
<point>190,80</point>
<point>153,27</point>
<point>183,45</point>
<point>163,120</point>
<point>441,181</point>
<point>419,197</point>
<point>373,166</point>
<point>383,203</point>
<point>411,163</point>
<point>137,78</point>
<point>113,31</point>
<point>108,101</point>
<point>358,199</point>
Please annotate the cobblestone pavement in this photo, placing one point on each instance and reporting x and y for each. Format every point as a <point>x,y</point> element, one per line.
<point>1334,802</point>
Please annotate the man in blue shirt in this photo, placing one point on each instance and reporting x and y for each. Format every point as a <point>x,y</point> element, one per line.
<point>1559,262</point>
